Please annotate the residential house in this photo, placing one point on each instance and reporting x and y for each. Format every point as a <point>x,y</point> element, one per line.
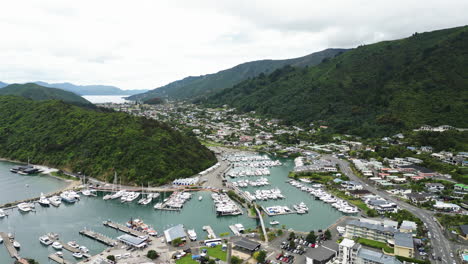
<point>408,227</point>
<point>353,253</point>
<point>419,198</point>
<point>369,229</point>
<point>460,189</point>
<point>434,187</point>
<point>404,245</point>
<point>446,207</point>
<point>464,231</point>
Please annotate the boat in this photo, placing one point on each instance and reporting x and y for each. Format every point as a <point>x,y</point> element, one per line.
<point>73,244</point>
<point>59,254</point>
<point>43,201</point>
<point>16,244</point>
<point>192,235</point>
<point>2,213</point>
<point>89,192</point>
<point>45,240</point>
<point>55,201</point>
<point>1,240</point>
<point>200,198</point>
<point>68,197</point>
<point>11,236</point>
<point>274,222</point>
<point>25,207</point>
<point>57,245</point>
<point>77,255</point>
<point>84,249</point>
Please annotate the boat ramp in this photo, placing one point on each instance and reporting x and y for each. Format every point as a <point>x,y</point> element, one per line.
<point>209,230</point>
<point>9,246</point>
<point>99,237</point>
<point>123,228</point>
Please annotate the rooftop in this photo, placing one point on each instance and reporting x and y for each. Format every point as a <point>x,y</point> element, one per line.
<point>404,240</point>
<point>174,232</point>
<point>377,257</point>
<point>367,225</point>
<point>247,244</point>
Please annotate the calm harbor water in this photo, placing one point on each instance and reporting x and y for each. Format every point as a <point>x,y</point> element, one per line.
<point>68,220</point>
<point>97,99</point>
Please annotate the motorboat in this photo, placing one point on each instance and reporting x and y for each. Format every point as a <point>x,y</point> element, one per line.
<point>45,240</point>
<point>16,244</point>
<point>89,192</point>
<point>274,222</point>
<point>55,201</point>
<point>11,236</point>
<point>73,244</point>
<point>57,245</point>
<point>25,207</point>
<point>68,197</point>
<point>77,255</point>
<point>200,198</point>
<point>2,213</point>
<point>59,254</point>
<point>107,197</point>
<point>43,201</point>
<point>84,249</point>
<point>192,235</point>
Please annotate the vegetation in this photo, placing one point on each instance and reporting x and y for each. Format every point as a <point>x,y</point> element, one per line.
<point>375,244</point>
<point>187,259</point>
<point>406,215</point>
<point>216,252</point>
<point>450,221</point>
<point>372,90</point>
<point>318,177</point>
<point>152,254</point>
<point>192,87</point>
<point>236,260</point>
<point>177,242</point>
<point>311,237</point>
<point>37,92</point>
<point>451,140</point>
<point>97,143</point>
<point>260,256</point>
<point>328,234</point>
<point>412,260</point>
<point>154,101</point>
<point>111,257</point>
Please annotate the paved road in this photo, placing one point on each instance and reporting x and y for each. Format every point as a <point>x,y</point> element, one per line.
<point>441,245</point>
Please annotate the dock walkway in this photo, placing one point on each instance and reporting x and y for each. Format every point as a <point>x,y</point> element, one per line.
<point>9,246</point>
<point>59,259</point>
<point>99,237</point>
<point>64,245</point>
<point>261,222</point>
<point>209,230</point>
<point>123,228</point>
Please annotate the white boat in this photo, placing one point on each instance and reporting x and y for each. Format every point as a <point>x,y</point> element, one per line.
<point>44,201</point>
<point>57,245</point>
<point>11,236</point>
<point>1,240</point>
<point>200,198</point>
<point>55,201</point>
<point>192,235</point>
<point>77,255</point>
<point>73,244</point>
<point>274,222</point>
<point>107,197</point>
<point>25,207</point>
<point>45,240</point>
<point>84,249</point>
<point>59,254</point>
<point>16,244</point>
<point>68,197</point>
<point>89,192</point>
<point>2,213</point>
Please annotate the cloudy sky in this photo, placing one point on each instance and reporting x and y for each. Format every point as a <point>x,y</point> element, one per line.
<point>143,44</point>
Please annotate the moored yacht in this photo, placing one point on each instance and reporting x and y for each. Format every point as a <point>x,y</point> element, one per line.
<point>77,255</point>
<point>73,244</point>
<point>55,201</point>
<point>44,201</point>
<point>25,207</point>
<point>57,245</point>
<point>16,244</point>
<point>274,222</point>
<point>2,213</point>
<point>192,235</point>
<point>45,240</point>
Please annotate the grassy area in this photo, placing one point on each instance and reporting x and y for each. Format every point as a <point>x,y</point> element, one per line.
<point>322,178</point>
<point>375,244</point>
<point>355,201</point>
<point>215,252</point>
<point>186,260</point>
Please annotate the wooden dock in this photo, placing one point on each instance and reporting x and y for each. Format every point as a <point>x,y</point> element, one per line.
<point>234,230</point>
<point>123,228</point>
<point>99,237</point>
<point>59,259</point>
<point>9,246</point>
<point>64,245</point>
<point>209,230</point>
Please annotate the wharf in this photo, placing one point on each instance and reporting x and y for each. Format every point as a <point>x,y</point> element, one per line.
<point>209,230</point>
<point>64,245</point>
<point>9,246</point>
<point>59,259</point>
<point>274,214</point>
<point>99,237</point>
<point>123,228</point>
<point>234,230</point>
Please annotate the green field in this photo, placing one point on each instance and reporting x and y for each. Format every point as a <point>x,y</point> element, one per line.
<point>216,252</point>
<point>375,244</point>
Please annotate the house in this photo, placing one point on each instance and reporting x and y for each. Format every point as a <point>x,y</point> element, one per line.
<point>419,198</point>
<point>434,187</point>
<point>408,227</point>
<point>133,241</point>
<point>460,189</point>
<point>446,207</point>
<point>464,231</point>
<point>321,255</point>
<point>404,245</point>
<point>351,252</point>
<point>359,193</point>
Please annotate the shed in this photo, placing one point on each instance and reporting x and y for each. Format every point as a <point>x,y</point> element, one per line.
<point>247,244</point>
<point>132,241</point>
<point>174,232</point>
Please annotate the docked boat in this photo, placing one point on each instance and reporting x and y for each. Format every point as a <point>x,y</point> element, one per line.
<point>16,244</point>
<point>89,192</point>
<point>59,254</point>
<point>274,222</point>
<point>68,197</point>
<point>200,198</point>
<point>45,240</point>
<point>73,244</point>
<point>1,240</point>
<point>57,245</point>
<point>11,236</point>
<point>192,235</point>
<point>43,201</point>
<point>25,207</point>
<point>107,197</point>
<point>2,213</point>
<point>77,255</point>
<point>84,249</point>
<point>55,201</point>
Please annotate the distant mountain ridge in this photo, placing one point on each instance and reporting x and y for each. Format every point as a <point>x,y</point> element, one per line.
<point>372,90</point>
<point>86,89</point>
<point>201,86</point>
<point>38,93</point>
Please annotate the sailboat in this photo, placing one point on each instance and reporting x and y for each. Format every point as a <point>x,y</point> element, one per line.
<point>111,195</point>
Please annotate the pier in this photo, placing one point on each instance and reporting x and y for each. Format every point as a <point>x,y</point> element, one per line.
<point>261,222</point>
<point>123,228</point>
<point>234,230</point>
<point>99,237</point>
<point>209,230</point>
<point>9,246</point>
<point>59,259</point>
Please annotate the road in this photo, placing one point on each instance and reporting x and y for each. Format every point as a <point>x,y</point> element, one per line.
<point>441,245</point>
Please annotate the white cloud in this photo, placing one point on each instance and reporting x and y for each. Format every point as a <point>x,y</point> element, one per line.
<point>146,43</point>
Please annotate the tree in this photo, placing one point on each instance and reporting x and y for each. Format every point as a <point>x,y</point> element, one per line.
<point>111,257</point>
<point>176,242</point>
<point>328,234</point>
<point>292,244</point>
<point>211,261</point>
<point>292,235</point>
<point>236,260</point>
<point>261,256</point>
<point>152,254</point>
<point>311,237</point>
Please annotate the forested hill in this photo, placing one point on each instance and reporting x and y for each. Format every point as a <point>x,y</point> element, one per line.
<point>372,90</point>
<point>37,92</point>
<point>97,142</point>
<point>198,86</point>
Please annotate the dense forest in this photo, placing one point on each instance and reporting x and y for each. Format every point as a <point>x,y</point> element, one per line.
<point>373,90</point>
<point>36,92</point>
<point>199,86</point>
<point>97,142</point>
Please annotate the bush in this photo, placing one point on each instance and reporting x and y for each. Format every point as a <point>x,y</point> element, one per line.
<point>111,257</point>
<point>152,254</point>
<point>176,242</point>
<point>236,260</point>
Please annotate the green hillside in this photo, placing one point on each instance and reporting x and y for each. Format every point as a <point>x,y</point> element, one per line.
<point>191,87</point>
<point>372,90</point>
<point>97,142</point>
<point>37,92</point>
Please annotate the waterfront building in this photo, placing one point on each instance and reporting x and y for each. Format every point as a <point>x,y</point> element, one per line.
<point>404,245</point>
<point>369,229</point>
<point>174,233</point>
<point>353,253</point>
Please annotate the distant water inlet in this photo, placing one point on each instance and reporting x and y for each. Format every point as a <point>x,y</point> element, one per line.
<point>99,99</point>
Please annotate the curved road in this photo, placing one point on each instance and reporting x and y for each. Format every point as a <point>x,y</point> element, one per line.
<point>441,245</point>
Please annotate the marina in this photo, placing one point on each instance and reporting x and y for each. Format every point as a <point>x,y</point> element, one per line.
<point>209,230</point>
<point>59,259</point>
<point>132,231</point>
<point>175,202</point>
<point>99,237</point>
<point>224,205</point>
<point>9,245</point>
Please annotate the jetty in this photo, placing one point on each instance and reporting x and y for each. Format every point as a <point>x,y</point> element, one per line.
<point>99,237</point>
<point>9,246</point>
<point>123,228</point>
<point>59,259</point>
<point>261,222</point>
<point>209,230</point>
<point>234,230</point>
